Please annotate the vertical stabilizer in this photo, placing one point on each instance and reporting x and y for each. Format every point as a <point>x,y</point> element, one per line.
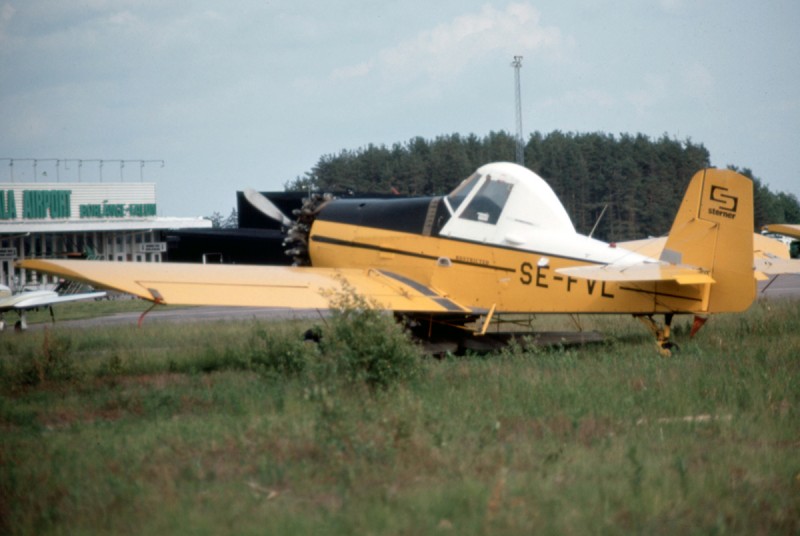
<point>714,230</point>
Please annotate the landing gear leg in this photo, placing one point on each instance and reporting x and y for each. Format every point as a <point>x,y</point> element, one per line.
<point>22,323</point>
<point>662,333</point>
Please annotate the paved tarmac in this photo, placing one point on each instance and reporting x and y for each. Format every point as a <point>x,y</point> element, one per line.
<point>191,314</point>
<point>781,286</point>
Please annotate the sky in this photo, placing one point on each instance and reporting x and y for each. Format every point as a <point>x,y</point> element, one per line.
<point>252,93</point>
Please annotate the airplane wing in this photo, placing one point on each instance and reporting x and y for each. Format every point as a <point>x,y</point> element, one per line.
<point>777,266</point>
<point>42,301</point>
<point>249,286</point>
<point>763,246</point>
<point>641,272</point>
<point>788,229</point>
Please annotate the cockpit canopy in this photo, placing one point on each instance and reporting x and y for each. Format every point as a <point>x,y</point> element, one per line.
<point>487,203</point>
<point>508,197</point>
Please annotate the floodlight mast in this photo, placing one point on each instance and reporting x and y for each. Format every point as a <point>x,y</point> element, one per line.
<point>517,65</point>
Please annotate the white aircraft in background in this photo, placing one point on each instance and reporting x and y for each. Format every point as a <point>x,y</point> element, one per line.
<point>34,299</point>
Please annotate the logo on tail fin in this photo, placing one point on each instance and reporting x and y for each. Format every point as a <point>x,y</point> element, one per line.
<point>727,203</point>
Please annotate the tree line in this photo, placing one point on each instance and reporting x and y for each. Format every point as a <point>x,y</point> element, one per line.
<point>640,180</point>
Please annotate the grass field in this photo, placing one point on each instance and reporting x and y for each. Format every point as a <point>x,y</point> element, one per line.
<point>227,428</point>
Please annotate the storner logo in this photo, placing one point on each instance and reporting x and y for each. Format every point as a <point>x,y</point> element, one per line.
<point>727,203</point>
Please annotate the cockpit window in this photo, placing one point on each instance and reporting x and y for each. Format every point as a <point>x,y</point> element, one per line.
<point>488,203</point>
<point>458,195</point>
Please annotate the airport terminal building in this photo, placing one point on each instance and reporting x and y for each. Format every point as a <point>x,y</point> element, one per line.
<point>113,221</point>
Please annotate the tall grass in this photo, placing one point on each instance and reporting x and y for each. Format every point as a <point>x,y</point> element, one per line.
<point>245,428</point>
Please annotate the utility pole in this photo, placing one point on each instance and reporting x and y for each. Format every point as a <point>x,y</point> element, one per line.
<point>517,65</point>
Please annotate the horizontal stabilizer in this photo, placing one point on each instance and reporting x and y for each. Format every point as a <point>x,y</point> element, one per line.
<point>643,272</point>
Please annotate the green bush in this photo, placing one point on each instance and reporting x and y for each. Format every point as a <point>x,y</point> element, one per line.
<point>278,355</point>
<point>363,344</point>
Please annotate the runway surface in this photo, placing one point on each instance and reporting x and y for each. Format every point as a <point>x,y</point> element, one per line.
<point>191,314</point>
<point>782,286</point>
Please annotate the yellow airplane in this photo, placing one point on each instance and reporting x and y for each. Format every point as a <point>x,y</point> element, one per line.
<point>499,244</point>
<point>791,230</point>
<point>790,233</point>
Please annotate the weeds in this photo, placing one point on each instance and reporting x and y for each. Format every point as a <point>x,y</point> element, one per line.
<point>366,345</point>
<point>277,356</point>
<point>247,429</point>
<point>53,362</point>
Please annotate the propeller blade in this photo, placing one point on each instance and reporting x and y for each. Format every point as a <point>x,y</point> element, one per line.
<point>266,207</point>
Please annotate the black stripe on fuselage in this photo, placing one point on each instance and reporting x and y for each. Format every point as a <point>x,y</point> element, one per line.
<point>361,245</point>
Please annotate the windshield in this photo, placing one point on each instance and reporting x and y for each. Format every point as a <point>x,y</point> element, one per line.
<point>458,195</point>
<point>488,203</point>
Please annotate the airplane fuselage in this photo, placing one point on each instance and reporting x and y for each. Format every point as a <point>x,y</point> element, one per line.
<point>414,238</point>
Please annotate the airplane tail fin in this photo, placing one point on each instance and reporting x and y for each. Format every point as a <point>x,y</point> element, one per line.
<point>714,230</point>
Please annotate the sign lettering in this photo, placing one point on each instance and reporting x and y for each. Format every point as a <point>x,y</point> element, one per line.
<point>41,204</point>
<point>8,205</point>
<point>26,203</point>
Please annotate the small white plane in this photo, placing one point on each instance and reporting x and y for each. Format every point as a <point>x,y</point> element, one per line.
<point>27,300</point>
